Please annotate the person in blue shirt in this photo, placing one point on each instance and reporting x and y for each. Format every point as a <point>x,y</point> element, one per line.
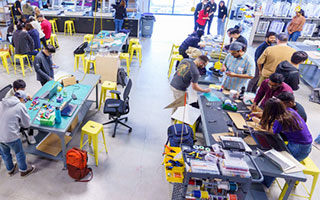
<point>199,7</point>
<point>269,41</point>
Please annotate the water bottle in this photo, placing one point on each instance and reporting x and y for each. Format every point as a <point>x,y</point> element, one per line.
<point>58,115</point>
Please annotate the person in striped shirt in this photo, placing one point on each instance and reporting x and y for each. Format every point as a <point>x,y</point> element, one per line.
<point>238,67</point>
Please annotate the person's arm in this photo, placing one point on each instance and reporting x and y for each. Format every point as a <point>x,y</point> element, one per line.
<point>300,27</point>
<point>125,13</point>
<point>30,40</point>
<point>262,60</point>
<point>24,117</point>
<point>277,127</point>
<point>196,87</point>
<point>245,76</point>
<point>37,68</point>
<point>214,7</point>
<point>260,94</point>
<point>225,15</point>
<point>294,81</point>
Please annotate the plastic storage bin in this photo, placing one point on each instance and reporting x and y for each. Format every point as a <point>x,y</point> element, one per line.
<point>148,20</point>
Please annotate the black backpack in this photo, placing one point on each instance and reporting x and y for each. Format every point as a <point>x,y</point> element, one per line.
<point>80,49</point>
<point>122,77</point>
<point>175,132</point>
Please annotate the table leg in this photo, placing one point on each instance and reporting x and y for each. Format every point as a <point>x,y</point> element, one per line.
<point>97,94</point>
<point>290,184</point>
<point>63,145</point>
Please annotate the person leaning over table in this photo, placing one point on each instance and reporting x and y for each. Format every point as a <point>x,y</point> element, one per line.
<point>296,25</point>
<point>273,56</point>
<point>238,67</point>
<point>13,115</point>
<point>269,88</point>
<point>43,64</point>
<point>281,119</point>
<point>187,73</point>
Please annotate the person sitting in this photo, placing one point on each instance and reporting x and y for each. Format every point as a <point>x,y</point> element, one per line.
<point>270,88</point>
<point>22,41</point>
<point>34,34</point>
<point>281,119</point>
<point>239,67</point>
<point>289,101</point>
<point>290,70</point>
<point>35,24</point>
<point>13,114</point>
<point>45,27</point>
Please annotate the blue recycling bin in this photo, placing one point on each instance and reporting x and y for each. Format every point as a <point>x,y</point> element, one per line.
<point>148,20</point>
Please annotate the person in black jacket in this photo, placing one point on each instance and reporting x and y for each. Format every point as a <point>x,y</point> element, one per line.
<point>288,99</point>
<point>290,70</point>
<point>43,64</point>
<point>270,39</point>
<point>222,14</point>
<point>199,7</point>
<point>120,14</point>
<point>213,8</point>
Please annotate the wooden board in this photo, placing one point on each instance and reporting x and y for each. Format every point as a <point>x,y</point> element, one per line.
<point>216,136</point>
<point>52,144</point>
<point>237,120</point>
<point>249,140</point>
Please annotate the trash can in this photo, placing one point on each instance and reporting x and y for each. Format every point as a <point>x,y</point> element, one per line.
<point>147,24</point>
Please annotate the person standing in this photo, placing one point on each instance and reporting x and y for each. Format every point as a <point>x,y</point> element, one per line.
<point>120,14</point>
<point>200,6</point>
<point>27,9</point>
<point>43,64</point>
<point>45,27</point>
<point>213,9</point>
<point>239,67</point>
<point>187,73</point>
<point>13,114</point>
<point>222,14</point>
<point>17,9</point>
<point>34,34</point>
<point>22,41</point>
<point>296,26</point>
<point>269,41</point>
<point>203,17</point>
<point>35,24</point>
<point>273,56</point>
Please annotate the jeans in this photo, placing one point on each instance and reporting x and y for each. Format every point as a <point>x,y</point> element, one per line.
<point>209,21</point>
<point>33,53</point>
<point>220,26</point>
<point>195,23</point>
<point>16,146</point>
<point>43,41</point>
<point>118,24</point>
<point>294,36</point>
<point>298,151</point>
<point>200,27</point>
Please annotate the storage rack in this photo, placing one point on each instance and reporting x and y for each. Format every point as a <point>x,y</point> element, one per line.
<point>4,13</point>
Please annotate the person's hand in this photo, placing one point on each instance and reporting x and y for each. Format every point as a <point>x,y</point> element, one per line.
<point>29,98</point>
<point>202,45</point>
<point>207,90</point>
<point>254,107</point>
<point>50,78</point>
<point>257,114</point>
<point>230,74</point>
<point>222,20</point>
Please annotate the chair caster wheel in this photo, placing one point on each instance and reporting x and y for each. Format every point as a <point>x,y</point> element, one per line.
<point>130,130</point>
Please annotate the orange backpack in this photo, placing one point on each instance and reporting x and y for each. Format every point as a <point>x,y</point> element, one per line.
<point>77,164</point>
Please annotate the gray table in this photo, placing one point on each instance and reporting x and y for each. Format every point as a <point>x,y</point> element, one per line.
<point>89,79</point>
<point>210,111</point>
<point>310,73</point>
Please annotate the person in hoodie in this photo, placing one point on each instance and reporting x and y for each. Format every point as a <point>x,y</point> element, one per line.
<point>290,70</point>
<point>13,115</point>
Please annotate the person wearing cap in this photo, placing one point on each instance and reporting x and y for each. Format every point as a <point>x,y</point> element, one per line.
<point>45,26</point>
<point>43,64</point>
<point>13,115</point>
<point>27,9</point>
<point>238,67</point>
<point>273,56</point>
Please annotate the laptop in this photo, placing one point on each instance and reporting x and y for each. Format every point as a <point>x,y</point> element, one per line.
<point>267,141</point>
<point>68,109</point>
<point>50,93</point>
<point>278,159</point>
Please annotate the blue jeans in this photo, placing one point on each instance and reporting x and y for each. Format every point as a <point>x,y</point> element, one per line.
<point>294,36</point>
<point>209,24</point>
<point>298,151</point>
<point>16,146</point>
<point>195,23</point>
<point>220,26</point>
<point>118,24</point>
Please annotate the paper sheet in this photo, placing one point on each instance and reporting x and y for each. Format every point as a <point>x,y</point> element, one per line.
<point>191,114</point>
<point>216,136</point>
<point>298,168</point>
<point>237,120</point>
<point>211,97</point>
<point>249,140</point>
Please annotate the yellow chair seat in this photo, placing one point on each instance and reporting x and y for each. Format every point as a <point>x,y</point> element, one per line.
<point>174,58</point>
<point>54,27</point>
<point>88,38</point>
<point>132,41</point>
<point>77,59</point>
<point>174,50</point>
<point>125,56</point>
<point>69,27</point>
<point>21,57</point>
<point>87,65</point>
<point>4,56</point>
<point>136,48</point>
<point>107,85</point>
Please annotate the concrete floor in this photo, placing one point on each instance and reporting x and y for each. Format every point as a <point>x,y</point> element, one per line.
<point>132,169</point>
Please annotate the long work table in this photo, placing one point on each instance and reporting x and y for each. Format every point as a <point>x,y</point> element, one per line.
<point>216,120</point>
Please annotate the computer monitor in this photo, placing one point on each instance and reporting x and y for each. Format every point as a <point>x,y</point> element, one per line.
<point>267,141</point>
<point>68,109</point>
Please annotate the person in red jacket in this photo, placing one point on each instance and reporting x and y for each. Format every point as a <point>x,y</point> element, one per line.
<point>45,27</point>
<point>203,17</point>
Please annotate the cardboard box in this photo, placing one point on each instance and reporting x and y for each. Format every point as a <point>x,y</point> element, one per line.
<point>73,124</point>
<point>107,66</point>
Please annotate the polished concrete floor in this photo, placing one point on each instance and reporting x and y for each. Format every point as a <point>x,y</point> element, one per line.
<point>132,169</point>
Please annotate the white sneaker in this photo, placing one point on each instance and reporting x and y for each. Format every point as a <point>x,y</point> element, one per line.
<point>31,139</point>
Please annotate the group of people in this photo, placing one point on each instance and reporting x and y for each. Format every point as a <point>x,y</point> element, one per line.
<point>204,13</point>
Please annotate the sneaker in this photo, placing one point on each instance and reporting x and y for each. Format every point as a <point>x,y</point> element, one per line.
<point>14,169</point>
<point>55,66</point>
<point>31,139</point>
<point>28,172</point>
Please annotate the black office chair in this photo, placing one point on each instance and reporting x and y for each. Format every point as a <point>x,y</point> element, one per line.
<point>117,108</point>
<point>4,91</point>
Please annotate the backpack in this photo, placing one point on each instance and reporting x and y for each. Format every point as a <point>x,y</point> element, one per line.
<point>174,135</point>
<point>77,164</point>
<point>122,77</point>
<point>80,49</point>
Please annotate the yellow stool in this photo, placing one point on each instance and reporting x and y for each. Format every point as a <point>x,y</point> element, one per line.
<point>87,66</point>
<point>174,57</point>
<point>107,85</point>
<point>69,27</point>
<point>4,56</point>
<point>77,59</point>
<point>11,49</point>
<point>92,129</point>
<point>174,50</point>
<point>88,38</point>
<point>193,126</point>
<point>125,56</point>
<point>21,57</point>
<point>310,169</point>
<point>54,26</point>
<point>132,41</point>
<point>136,48</point>
<point>54,40</point>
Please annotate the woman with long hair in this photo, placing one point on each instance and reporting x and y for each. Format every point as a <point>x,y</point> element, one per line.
<point>203,17</point>
<point>222,14</point>
<point>296,25</point>
<point>120,14</point>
